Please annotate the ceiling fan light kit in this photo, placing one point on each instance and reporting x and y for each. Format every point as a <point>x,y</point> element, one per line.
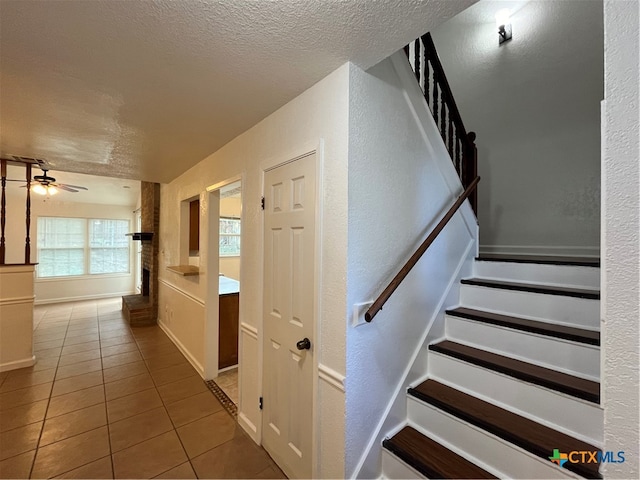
<point>43,184</point>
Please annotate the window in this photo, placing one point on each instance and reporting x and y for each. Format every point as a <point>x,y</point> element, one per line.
<point>80,246</point>
<point>229,237</point>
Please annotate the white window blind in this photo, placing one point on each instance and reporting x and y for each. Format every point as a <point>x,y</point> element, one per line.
<point>80,246</point>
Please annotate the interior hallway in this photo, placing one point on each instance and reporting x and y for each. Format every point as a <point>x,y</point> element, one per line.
<point>108,401</point>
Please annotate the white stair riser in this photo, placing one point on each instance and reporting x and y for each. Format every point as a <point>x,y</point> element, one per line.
<point>584,277</point>
<point>499,455</point>
<point>569,357</point>
<point>394,467</point>
<point>576,417</point>
<point>579,312</point>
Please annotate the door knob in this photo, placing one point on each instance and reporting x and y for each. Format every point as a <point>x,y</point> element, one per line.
<point>304,344</point>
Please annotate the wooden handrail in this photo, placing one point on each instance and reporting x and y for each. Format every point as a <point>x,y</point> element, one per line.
<point>397,280</point>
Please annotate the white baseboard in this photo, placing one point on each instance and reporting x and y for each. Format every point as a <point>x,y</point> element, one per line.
<point>26,362</point>
<point>248,427</point>
<point>560,251</point>
<point>81,298</point>
<point>199,368</point>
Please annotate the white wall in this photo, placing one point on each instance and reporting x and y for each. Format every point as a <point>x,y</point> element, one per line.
<point>63,289</point>
<point>535,105</point>
<point>620,236</point>
<point>230,207</point>
<point>317,119</point>
<point>401,181</point>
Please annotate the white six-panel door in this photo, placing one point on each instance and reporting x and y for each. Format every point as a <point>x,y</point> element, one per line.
<point>288,315</point>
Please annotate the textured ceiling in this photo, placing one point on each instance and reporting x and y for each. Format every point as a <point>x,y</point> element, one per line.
<point>146,89</point>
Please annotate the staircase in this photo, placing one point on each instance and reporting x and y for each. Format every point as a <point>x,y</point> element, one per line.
<point>514,382</point>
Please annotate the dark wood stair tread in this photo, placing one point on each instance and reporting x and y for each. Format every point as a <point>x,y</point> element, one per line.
<point>527,434</point>
<point>542,328</point>
<point>546,377</point>
<point>534,288</point>
<point>540,259</point>
<point>430,458</point>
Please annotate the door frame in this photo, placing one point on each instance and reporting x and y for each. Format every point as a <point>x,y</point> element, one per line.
<point>212,299</point>
<point>317,149</point>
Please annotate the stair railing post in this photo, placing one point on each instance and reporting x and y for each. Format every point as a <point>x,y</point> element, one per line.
<point>470,167</point>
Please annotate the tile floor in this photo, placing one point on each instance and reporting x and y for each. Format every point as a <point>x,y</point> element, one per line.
<point>228,382</point>
<point>108,401</point>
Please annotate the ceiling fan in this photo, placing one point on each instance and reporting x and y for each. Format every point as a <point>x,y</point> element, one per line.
<point>46,185</point>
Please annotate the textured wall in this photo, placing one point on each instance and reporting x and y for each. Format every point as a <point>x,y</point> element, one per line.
<point>401,181</point>
<point>535,105</point>
<point>317,119</point>
<point>620,234</point>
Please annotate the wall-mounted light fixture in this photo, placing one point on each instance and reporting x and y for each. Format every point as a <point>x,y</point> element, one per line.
<point>504,26</point>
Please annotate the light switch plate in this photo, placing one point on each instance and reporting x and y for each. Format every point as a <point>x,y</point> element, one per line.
<point>359,310</point>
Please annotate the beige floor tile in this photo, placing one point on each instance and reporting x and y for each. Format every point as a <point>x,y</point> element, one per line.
<point>73,332</point>
<point>172,392</point>
<point>149,458</point>
<point>139,428</point>
<point>115,326</point>
<point>157,350</point>
<point>272,472</point>
<point>121,359</point>
<point>118,349</point>
<point>84,324</point>
<point>181,471</point>
<point>127,386</point>
<point>164,361</point>
<point>193,408</point>
<point>71,453</point>
<point>81,347</point>
<point>109,342</point>
<point>45,329</point>
<point>79,382</point>
<point>18,466</point>
<point>19,379</point>
<point>25,396</point>
<point>23,415</point>
<point>238,458</point>
<point>81,339</point>
<point>172,374</point>
<point>3,376</point>
<point>79,357</point>
<point>133,404</point>
<point>37,346</point>
<point>107,334</point>
<point>79,369</point>
<point>98,469</point>
<point>207,433</point>
<point>44,363</point>
<point>49,353</point>
<point>124,371</point>
<point>73,423</point>
<point>75,401</point>
<point>41,336</point>
<point>19,440</point>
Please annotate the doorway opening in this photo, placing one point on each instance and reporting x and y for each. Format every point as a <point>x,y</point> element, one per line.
<point>223,317</point>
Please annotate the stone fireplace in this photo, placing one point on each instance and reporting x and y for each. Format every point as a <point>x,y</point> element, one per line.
<point>142,309</point>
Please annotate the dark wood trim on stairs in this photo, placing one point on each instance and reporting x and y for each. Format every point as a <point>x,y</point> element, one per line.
<point>573,334</point>
<point>527,434</point>
<point>540,259</point>
<point>545,377</point>
<point>534,288</point>
<point>430,458</point>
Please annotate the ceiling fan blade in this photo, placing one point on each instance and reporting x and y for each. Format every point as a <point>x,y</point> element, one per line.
<point>72,186</point>
<point>65,188</point>
<point>12,180</point>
